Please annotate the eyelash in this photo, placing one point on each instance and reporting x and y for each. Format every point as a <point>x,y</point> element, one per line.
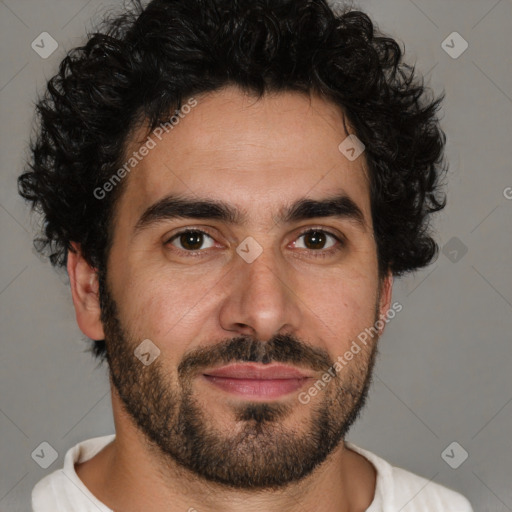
<point>320,253</point>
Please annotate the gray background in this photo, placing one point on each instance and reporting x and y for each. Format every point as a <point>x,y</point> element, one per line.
<point>444,369</point>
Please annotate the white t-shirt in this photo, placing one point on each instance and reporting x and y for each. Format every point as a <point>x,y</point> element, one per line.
<point>396,489</point>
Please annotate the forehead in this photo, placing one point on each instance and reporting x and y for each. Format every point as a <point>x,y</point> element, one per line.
<point>256,154</point>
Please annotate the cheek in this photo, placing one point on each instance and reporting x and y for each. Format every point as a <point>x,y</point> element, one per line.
<point>341,307</point>
<point>162,304</point>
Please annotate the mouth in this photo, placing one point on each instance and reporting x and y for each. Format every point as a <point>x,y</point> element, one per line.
<point>256,381</point>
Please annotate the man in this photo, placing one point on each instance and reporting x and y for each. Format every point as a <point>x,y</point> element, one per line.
<point>232,186</point>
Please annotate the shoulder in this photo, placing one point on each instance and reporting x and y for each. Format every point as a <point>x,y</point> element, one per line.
<point>45,493</point>
<point>63,490</point>
<point>399,489</point>
<point>417,494</point>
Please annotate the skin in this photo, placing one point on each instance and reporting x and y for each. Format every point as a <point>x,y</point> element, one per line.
<point>257,155</point>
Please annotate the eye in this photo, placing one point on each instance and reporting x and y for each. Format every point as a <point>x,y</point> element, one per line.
<point>315,240</point>
<point>190,240</point>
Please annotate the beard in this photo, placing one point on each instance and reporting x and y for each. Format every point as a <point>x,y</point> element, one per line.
<point>258,452</point>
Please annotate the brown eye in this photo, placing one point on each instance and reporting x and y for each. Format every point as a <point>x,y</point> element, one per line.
<point>315,239</point>
<point>190,240</point>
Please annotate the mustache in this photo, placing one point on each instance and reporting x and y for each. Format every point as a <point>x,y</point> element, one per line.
<point>282,348</point>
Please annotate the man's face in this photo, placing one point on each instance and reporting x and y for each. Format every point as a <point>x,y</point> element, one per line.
<point>283,298</point>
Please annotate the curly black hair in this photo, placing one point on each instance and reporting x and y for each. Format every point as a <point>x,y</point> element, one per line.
<point>140,65</point>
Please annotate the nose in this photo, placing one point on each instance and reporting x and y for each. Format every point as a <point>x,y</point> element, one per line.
<point>260,298</point>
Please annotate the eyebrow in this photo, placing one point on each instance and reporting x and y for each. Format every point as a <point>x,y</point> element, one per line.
<point>171,207</point>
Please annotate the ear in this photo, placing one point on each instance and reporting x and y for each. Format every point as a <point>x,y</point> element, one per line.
<point>386,289</point>
<point>85,292</point>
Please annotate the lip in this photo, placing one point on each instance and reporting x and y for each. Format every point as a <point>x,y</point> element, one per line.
<point>257,382</point>
<point>257,371</point>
